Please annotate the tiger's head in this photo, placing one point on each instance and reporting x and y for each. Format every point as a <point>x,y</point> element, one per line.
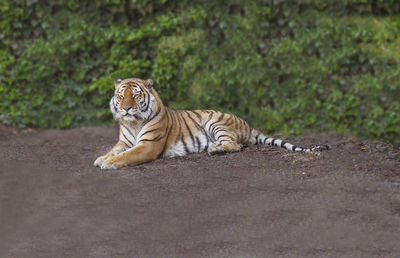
<point>133,99</point>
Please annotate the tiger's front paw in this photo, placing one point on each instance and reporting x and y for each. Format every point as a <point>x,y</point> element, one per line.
<point>107,166</point>
<point>99,161</point>
<point>111,163</point>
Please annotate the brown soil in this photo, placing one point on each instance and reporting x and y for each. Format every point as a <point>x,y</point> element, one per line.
<point>261,202</point>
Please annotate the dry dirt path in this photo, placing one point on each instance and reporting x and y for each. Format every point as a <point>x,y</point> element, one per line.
<point>261,202</point>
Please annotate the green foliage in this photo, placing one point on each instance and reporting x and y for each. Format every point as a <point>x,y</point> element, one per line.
<point>281,65</point>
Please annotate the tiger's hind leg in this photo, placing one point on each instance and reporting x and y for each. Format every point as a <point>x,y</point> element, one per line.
<point>227,135</point>
<point>224,141</point>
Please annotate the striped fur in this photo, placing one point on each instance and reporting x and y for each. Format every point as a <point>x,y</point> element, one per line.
<point>149,130</point>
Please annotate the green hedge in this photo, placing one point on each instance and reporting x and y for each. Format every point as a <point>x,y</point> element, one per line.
<point>282,65</point>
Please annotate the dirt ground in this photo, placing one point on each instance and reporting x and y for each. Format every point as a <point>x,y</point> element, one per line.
<point>261,202</point>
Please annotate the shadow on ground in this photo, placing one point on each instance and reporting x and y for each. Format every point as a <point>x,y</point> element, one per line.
<point>261,202</point>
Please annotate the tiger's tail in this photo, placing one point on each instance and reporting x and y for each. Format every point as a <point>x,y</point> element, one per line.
<point>259,138</point>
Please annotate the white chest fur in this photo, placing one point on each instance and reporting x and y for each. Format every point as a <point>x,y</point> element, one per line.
<point>129,133</point>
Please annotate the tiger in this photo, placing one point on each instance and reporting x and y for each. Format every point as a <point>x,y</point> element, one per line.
<point>149,130</point>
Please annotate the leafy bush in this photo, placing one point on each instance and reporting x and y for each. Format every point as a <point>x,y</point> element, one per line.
<point>281,65</point>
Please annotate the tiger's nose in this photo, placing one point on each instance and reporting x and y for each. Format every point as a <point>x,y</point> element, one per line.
<point>127,108</point>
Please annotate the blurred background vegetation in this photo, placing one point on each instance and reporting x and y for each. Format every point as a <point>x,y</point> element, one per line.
<point>282,65</point>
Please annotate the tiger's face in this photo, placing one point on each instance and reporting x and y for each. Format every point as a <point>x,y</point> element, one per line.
<point>132,99</point>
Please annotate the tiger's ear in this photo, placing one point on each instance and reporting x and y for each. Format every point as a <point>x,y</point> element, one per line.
<point>149,83</point>
<point>117,81</point>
